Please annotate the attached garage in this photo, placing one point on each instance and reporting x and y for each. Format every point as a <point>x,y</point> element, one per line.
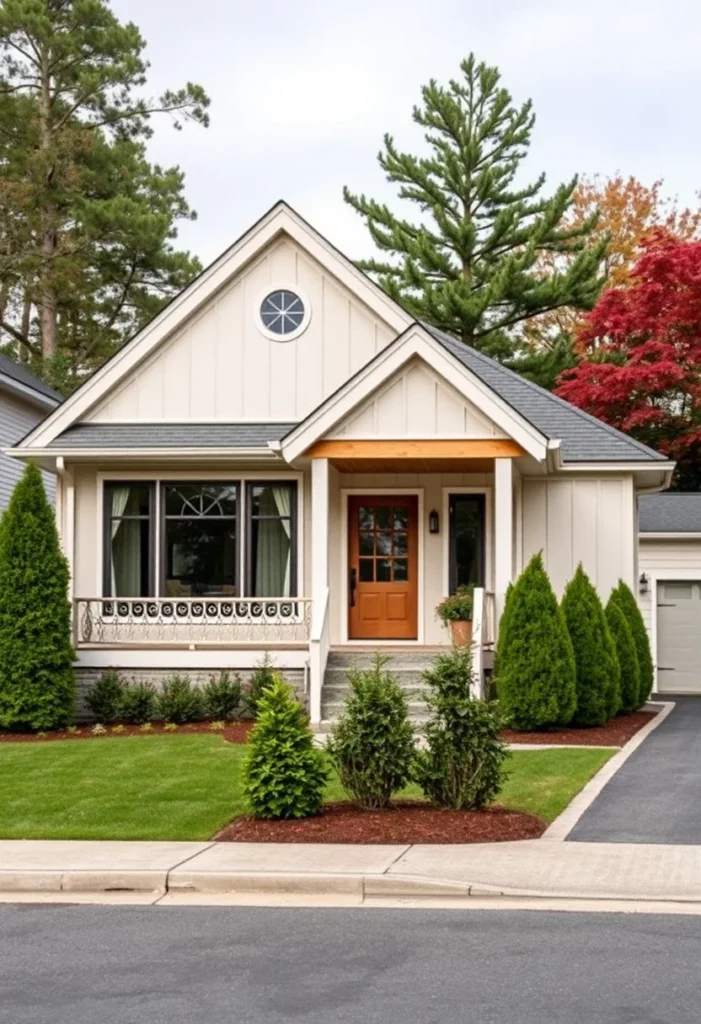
<point>670,587</point>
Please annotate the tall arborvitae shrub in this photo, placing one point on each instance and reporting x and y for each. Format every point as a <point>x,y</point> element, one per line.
<point>627,656</point>
<point>535,670</point>
<point>625,599</point>
<point>37,686</point>
<point>598,674</point>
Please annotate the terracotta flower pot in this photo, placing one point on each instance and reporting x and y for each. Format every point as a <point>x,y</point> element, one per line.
<point>461,630</point>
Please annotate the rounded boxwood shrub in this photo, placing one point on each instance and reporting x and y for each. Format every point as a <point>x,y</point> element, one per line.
<point>627,657</point>
<point>104,698</point>
<point>372,744</point>
<point>138,703</point>
<point>598,674</point>
<point>284,774</point>
<point>37,683</point>
<point>462,765</point>
<point>179,701</point>
<point>534,670</point>
<point>625,599</point>
<point>222,697</point>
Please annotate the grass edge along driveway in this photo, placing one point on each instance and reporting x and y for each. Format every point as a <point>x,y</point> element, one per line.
<point>189,787</point>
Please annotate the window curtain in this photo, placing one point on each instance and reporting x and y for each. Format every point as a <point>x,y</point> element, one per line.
<point>126,547</point>
<point>274,546</point>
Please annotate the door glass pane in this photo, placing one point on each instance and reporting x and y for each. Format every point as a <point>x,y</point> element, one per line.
<point>366,543</point>
<point>366,573</point>
<point>400,544</point>
<point>401,570</point>
<point>366,518</point>
<point>384,543</point>
<point>383,515</point>
<point>401,517</point>
<point>467,540</point>
<point>384,570</point>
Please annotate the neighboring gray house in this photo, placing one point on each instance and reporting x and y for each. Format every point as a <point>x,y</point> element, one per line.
<point>24,401</point>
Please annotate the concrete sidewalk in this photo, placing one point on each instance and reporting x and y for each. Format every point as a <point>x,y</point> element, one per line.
<point>520,869</point>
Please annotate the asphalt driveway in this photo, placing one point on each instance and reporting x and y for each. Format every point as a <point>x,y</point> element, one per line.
<point>656,795</point>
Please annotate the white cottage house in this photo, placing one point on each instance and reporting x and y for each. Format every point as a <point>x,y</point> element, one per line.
<point>284,460</point>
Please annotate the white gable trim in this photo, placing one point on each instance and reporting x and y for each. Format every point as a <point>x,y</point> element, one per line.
<point>414,342</point>
<point>280,220</point>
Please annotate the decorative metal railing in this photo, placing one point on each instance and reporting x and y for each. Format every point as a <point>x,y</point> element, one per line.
<point>216,621</point>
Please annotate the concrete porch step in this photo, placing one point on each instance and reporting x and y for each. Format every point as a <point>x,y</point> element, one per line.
<point>397,659</point>
<point>408,678</point>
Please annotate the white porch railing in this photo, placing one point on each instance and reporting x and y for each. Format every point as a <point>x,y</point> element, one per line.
<point>211,621</point>
<point>483,635</point>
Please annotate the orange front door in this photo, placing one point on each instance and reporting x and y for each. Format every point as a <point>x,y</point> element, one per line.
<point>383,559</point>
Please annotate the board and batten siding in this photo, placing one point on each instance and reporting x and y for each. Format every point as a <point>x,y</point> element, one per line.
<point>218,366</point>
<point>585,520</point>
<point>17,418</point>
<point>662,559</point>
<point>416,402</point>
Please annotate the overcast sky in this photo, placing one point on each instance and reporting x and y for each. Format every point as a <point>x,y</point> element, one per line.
<point>303,90</point>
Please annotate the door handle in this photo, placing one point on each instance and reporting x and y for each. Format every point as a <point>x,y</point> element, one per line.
<point>352,584</point>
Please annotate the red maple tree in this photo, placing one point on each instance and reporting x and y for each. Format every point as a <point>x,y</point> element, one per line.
<point>641,355</point>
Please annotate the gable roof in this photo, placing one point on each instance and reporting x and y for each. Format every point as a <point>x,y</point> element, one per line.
<point>22,379</point>
<point>183,436</point>
<point>583,438</point>
<point>670,513</point>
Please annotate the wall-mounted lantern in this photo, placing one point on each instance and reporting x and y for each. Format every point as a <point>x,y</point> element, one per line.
<point>434,523</point>
<point>642,583</point>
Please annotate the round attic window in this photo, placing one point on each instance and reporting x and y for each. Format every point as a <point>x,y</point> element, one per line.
<point>283,314</point>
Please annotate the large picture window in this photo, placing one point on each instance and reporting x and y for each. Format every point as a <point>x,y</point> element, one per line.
<point>128,561</point>
<point>466,540</point>
<point>200,536</point>
<point>272,568</point>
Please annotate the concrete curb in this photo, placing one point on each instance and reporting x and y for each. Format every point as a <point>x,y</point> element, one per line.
<point>560,828</point>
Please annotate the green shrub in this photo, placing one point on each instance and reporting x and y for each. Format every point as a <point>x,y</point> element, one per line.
<point>179,701</point>
<point>37,683</point>
<point>263,677</point>
<point>598,674</point>
<point>534,671</point>
<point>138,703</point>
<point>627,656</point>
<point>625,599</point>
<point>457,607</point>
<point>222,697</point>
<point>284,774</point>
<point>372,744</point>
<point>105,696</point>
<point>462,765</point>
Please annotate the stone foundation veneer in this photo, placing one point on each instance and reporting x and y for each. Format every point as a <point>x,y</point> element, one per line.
<point>85,677</point>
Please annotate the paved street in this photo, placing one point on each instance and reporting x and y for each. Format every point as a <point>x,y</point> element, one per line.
<point>99,965</point>
<point>654,798</point>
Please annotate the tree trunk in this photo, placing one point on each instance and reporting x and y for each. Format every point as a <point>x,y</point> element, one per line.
<point>48,303</point>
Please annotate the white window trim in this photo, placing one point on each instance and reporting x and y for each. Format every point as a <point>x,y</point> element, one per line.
<point>346,492</point>
<point>278,286</point>
<point>242,479</point>
<point>488,493</point>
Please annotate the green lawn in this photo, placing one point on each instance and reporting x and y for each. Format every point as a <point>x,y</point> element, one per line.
<point>188,787</point>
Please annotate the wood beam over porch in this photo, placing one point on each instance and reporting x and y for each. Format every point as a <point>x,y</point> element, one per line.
<point>414,456</point>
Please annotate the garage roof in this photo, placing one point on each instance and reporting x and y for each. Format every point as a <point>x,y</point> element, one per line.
<point>671,513</point>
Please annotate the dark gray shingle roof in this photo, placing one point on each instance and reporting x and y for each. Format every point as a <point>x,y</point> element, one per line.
<point>583,437</point>
<point>670,513</point>
<point>15,371</point>
<point>171,435</point>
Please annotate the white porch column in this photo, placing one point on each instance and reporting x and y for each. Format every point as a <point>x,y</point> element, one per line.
<point>318,646</point>
<point>503,531</point>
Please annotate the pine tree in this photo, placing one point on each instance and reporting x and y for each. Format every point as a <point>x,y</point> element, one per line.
<point>625,599</point>
<point>37,687</point>
<point>598,673</point>
<point>627,655</point>
<point>535,670</point>
<point>470,264</point>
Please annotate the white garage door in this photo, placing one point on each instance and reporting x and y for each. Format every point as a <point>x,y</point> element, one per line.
<point>679,636</point>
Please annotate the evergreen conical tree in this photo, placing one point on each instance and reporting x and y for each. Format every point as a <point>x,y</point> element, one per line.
<point>625,599</point>
<point>37,686</point>
<point>535,670</point>
<point>598,674</point>
<point>284,774</point>
<point>470,262</point>
<point>627,655</point>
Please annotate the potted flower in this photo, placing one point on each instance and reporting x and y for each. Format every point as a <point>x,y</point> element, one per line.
<point>456,611</point>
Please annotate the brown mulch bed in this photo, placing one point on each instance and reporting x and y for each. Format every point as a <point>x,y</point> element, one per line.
<point>233,732</point>
<point>405,821</point>
<point>615,733</point>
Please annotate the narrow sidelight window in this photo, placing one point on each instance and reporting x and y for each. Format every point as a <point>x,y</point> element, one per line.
<point>272,544</point>
<point>200,539</point>
<point>466,540</point>
<point>128,540</point>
